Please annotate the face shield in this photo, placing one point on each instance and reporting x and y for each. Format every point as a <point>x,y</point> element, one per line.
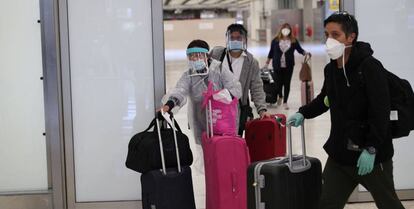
<point>197,61</point>
<point>236,41</point>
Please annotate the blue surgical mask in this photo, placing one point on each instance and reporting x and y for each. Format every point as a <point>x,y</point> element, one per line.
<point>197,67</point>
<point>235,45</point>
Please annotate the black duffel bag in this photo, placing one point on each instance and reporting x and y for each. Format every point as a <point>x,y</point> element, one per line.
<point>144,149</point>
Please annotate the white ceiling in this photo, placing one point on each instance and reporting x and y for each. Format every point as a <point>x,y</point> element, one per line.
<point>205,4</point>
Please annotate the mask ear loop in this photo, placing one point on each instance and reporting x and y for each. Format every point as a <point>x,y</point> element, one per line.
<point>343,66</point>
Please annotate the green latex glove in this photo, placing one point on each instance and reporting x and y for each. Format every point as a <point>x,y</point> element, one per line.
<point>365,163</point>
<point>295,119</point>
<point>326,101</point>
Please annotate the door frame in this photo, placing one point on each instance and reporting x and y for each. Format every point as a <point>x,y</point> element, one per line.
<point>159,91</point>
<point>54,196</point>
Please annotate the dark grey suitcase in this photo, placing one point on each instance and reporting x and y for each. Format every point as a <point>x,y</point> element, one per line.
<point>292,182</point>
<point>168,188</point>
<point>270,90</point>
<point>269,86</point>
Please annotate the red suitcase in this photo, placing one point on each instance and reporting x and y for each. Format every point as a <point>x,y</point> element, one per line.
<point>226,159</point>
<point>266,138</point>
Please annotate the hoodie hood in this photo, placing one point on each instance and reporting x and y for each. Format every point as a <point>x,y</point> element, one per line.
<point>360,51</point>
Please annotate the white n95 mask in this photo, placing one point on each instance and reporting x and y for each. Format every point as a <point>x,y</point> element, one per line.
<point>334,48</point>
<point>285,31</point>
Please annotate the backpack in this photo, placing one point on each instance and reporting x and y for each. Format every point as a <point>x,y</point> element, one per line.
<point>223,54</point>
<point>402,103</point>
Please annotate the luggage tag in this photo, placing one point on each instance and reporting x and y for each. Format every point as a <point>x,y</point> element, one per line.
<point>279,121</point>
<point>394,115</point>
<point>167,118</point>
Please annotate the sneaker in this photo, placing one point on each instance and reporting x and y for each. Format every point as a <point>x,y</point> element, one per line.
<point>279,101</point>
<point>285,106</point>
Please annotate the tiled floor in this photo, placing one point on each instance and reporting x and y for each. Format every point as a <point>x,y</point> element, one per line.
<point>317,129</point>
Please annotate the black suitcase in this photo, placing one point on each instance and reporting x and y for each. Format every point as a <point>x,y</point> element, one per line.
<point>171,191</point>
<point>292,182</point>
<point>270,90</point>
<point>168,188</point>
<point>269,86</point>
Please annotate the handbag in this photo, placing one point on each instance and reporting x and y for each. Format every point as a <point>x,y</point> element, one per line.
<point>144,149</point>
<point>224,115</point>
<point>305,73</point>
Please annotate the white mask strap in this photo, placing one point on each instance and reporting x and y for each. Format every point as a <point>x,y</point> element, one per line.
<point>343,66</point>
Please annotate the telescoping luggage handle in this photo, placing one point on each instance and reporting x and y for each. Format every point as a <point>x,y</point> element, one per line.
<point>209,120</point>
<point>297,166</point>
<point>164,170</point>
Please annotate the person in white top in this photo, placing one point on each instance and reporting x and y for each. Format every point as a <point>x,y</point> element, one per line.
<point>281,53</point>
<point>245,67</point>
<point>194,81</point>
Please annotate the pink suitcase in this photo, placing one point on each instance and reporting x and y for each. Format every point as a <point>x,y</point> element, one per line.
<point>307,92</point>
<point>226,159</point>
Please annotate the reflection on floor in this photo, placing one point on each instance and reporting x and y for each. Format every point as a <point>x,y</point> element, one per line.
<point>317,129</point>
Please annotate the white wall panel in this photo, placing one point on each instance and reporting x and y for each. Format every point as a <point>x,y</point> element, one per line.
<point>23,163</point>
<point>389,27</point>
<point>111,67</point>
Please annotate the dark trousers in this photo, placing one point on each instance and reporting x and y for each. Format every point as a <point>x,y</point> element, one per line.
<point>283,76</point>
<point>246,114</point>
<point>340,181</point>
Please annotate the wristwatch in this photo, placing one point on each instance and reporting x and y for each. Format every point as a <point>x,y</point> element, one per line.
<point>371,150</point>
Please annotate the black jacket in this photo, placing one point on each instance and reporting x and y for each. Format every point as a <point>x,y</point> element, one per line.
<point>275,54</point>
<point>359,113</point>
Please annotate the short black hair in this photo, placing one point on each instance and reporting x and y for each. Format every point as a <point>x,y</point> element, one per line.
<point>347,21</point>
<point>198,43</point>
<point>236,27</point>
